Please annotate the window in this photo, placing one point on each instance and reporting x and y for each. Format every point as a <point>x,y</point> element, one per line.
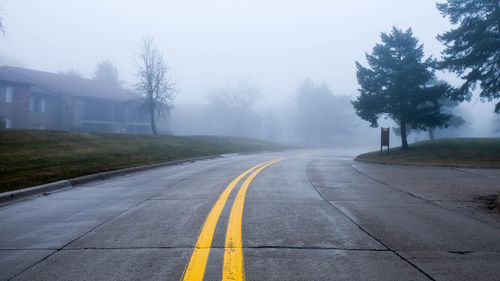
<point>8,123</point>
<point>33,103</point>
<point>42,104</point>
<point>37,104</point>
<point>6,94</point>
<point>9,94</point>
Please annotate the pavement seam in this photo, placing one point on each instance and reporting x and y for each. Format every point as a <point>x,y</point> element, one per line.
<point>427,201</point>
<point>388,185</point>
<point>28,249</point>
<point>221,247</point>
<point>252,247</point>
<point>416,164</point>
<point>472,173</point>
<point>366,231</point>
<point>78,237</point>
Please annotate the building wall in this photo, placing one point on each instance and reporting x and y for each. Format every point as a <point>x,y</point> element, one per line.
<point>50,117</point>
<point>20,113</point>
<point>64,112</point>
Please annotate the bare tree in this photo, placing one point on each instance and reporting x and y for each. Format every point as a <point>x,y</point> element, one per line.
<point>2,28</point>
<point>155,88</point>
<point>233,106</point>
<point>235,98</point>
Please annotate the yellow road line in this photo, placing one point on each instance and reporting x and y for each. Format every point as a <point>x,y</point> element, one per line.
<point>233,252</point>
<point>196,267</point>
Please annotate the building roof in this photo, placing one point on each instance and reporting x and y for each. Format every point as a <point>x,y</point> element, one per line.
<point>63,83</point>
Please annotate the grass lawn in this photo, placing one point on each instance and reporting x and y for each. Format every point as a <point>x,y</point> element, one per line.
<point>33,157</point>
<point>459,151</point>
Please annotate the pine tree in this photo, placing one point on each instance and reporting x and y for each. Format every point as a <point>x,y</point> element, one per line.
<point>395,85</point>
<point>473,47</point>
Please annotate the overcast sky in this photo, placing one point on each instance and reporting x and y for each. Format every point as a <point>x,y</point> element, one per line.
<point>274,44</point>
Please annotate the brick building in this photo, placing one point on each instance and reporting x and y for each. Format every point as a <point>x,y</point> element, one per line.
<point>43,100</point>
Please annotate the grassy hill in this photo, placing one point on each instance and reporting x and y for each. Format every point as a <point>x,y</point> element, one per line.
<point>33,157</point>
<point>459,151</point>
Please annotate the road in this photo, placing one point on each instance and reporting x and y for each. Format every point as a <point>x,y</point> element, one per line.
<point>306,215</point>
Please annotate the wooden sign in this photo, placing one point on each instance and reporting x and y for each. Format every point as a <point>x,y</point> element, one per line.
<point>384,139</point>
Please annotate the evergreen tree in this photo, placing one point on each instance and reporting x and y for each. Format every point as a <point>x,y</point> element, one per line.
<point>395,85</point>
<point>106,73</point>
<point>473,47</point>
<point>448,106</point>
<point>455,121</point>
<point>320,117</point>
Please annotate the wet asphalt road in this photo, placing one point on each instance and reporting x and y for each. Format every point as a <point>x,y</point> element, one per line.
<point>308,217</point>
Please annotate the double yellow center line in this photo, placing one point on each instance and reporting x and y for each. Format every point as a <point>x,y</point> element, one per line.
<point>233,253</point>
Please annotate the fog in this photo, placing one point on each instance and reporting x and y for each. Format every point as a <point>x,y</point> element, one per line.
<point>275,48</point>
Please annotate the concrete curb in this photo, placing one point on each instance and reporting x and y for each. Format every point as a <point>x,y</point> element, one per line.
<point>16,195</point>
<point>426,164</point>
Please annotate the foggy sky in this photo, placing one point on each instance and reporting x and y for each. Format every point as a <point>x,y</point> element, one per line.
<point>274,44</point>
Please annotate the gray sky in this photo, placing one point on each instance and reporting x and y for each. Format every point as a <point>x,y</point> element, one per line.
<point>274,44</point>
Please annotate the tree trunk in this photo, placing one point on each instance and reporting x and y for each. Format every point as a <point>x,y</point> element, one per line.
<point>153,124</point>
<point>404,141</point>
<point>431,133</point>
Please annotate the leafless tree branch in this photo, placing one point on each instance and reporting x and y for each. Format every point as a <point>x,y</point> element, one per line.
<point>155,87</point>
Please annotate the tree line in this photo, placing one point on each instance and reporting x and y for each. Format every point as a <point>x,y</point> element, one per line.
<point>399,82</point>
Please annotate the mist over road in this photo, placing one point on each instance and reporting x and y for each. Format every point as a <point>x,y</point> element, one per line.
<point>306,215</point>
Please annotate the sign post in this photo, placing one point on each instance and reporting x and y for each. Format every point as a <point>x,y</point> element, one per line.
<point>384,139</point>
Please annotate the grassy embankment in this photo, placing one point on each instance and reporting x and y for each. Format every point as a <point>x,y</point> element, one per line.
<point>461,151</point>
<point>33,157</point>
